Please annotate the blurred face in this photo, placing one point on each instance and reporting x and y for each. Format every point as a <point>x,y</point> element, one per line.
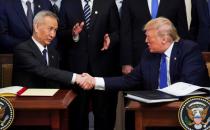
<point>45,31</point>
<point>154,41</point>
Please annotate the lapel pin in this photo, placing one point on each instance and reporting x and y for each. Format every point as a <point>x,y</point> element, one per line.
<point>96,12</point>
<point>39,6</point>
<point>52,57</point>
<point>174,58</point>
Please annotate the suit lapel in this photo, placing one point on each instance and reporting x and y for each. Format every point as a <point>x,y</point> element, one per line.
<point>78,14</point>
<point>51,57</point>
<point>161,7</point>
<point>204,7</point>
<point>19,9</point>
<point>173,61</point>
<point>97,5</point>
<point>37,6</point>
<point>202,10</point>
<point>37,52</point>
<point>155,66</point>
<point>144,4</point>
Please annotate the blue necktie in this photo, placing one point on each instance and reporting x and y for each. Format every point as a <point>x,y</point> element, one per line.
<point>44,52</point>
<point>154,8</point>
<point>87,14</point>
<point>209,6</point>
<point>163,72</point>
<point>29,14</point>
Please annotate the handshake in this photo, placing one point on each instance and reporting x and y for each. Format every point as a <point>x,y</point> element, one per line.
<point>85,81</point>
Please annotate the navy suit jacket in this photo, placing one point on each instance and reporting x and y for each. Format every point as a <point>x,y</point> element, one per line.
<point>30,69</point>
<point>186,65</point>
<point>135,14</point>
<point>200,24</point>
<point>14,25</point>
<point>86,55</point>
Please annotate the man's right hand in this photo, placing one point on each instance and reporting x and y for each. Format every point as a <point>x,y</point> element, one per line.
<point>85,81</point>
<point>126,69</point>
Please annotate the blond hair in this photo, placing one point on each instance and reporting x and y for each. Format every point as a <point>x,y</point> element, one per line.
<point>164,27</point>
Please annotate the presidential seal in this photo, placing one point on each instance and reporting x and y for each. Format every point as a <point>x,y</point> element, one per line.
<point>6,113</point>
<point>194,114</point>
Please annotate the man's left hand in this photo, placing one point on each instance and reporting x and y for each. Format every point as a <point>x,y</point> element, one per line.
<point>106,42</point>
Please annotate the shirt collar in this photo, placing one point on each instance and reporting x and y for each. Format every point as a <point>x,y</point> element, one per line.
<point>55,2</point>
<point>168,51</point>
<point>89,1</point>
<point>39,45</point>
<point>27,0</point>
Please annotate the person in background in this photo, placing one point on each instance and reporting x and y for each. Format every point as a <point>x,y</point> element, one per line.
<point>16,18</point>
<point>55,8</point>
<point>199,27</point>
<point>89,34</point>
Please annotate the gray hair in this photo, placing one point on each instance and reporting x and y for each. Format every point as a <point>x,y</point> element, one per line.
<point>164,26</point>
<point>42,14</point>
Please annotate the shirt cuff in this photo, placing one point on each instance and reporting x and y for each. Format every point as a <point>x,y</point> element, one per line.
<point>76,38</point>
<point>100,84</point>
<point>73,80</point>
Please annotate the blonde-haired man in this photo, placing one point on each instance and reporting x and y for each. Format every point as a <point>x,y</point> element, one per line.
<point>183,62</point>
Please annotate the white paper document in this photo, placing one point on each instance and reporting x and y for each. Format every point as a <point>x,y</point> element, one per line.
<point>11,89</point>
<point>183,89</point>
<point>39,92</point>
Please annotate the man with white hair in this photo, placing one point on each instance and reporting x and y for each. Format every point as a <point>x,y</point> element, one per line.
<point>35,63</point>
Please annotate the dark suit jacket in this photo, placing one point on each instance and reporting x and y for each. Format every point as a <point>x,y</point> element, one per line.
<point>186,65</point>
<point>14,25</point>
<point>30,70</point>
<point>200,24</point>
<point>85,55</point>
<point>135,14</point>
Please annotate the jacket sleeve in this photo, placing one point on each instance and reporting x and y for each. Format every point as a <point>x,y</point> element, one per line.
<point>26,60</point>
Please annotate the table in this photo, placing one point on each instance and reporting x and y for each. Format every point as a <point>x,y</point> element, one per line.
<point>149,115</point>
<point>52,111</point>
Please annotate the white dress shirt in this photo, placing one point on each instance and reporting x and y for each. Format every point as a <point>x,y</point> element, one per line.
<point>119,5</point>
<point>41,48</point>
<point>25,8</point>
<point>90,3</point>
<point>100,83</point>
<point>168,57</point>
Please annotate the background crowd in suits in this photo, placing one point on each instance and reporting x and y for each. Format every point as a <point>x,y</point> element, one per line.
<point>85,56</point>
